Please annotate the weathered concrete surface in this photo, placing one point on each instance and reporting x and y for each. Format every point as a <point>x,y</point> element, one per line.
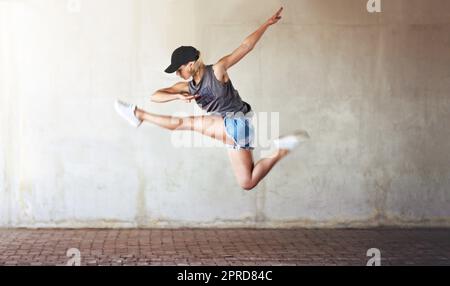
<point>372,90</point>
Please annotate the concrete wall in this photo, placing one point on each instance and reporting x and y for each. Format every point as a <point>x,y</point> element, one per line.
<point>371,89</point>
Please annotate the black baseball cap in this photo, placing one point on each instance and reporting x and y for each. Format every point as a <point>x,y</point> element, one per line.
<point>181,56</point>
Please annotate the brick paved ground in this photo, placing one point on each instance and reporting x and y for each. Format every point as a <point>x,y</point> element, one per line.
<point>225,246</point>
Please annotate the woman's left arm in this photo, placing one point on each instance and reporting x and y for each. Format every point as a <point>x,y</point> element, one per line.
<point>249,43</point>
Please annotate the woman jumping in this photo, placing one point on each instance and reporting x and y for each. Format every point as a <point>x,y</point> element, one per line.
<point>228,119</point>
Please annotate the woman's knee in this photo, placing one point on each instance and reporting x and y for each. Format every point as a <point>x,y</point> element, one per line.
<point>247,184</point>
<point>183,123</point>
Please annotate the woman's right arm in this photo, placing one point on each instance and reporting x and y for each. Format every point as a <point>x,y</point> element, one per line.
<point>177,91</point>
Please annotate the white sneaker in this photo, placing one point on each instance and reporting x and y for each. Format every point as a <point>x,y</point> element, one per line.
<point>126,111</point>
<point>291,141</point>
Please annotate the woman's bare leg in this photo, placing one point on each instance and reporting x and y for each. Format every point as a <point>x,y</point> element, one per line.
<point>249,174</point>
<point>208,125</point>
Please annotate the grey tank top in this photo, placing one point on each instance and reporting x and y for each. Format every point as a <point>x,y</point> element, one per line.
<point>216,97</point>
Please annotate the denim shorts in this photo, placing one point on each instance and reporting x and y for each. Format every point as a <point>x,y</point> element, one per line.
<point>241,130</point>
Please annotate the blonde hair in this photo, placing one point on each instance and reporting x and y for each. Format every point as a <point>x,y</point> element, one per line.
<point>197,65</point>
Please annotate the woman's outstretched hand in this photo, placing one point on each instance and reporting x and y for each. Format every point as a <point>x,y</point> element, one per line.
<point>187,97</point>
<point>275,18</point>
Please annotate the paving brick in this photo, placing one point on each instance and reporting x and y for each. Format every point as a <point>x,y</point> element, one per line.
<point>225,246</point>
